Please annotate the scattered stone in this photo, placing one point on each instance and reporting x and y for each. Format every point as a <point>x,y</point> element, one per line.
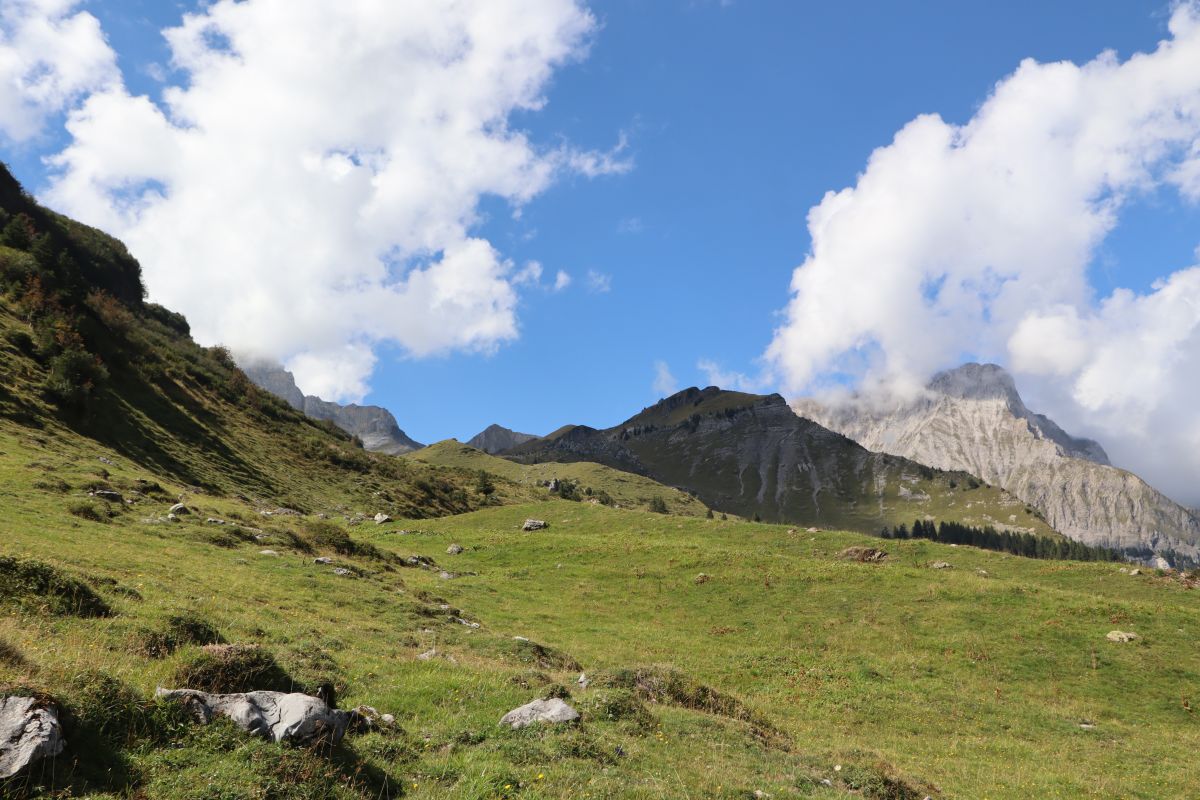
<point>181,509</point>
<point>428,655</point>
<point>866,555</point>
<point>553,486</point>
<point>1135,572</point>
<point>447,576</point>
<point>1161,563</point>
<point>381,518</point>
<point>982,572</point>
<point>469,624</point>
<point>108,495</point>
<point>583,681</point>
<point>277,716</point>
<point>535,525</point>
<point>388,719</point>
<point>759,794</point>
<point>268,553</point>
<point>454,549</point>
<point>553,711</point>
<point>812,530</point>
<point>1123,571</point>
<point>940,565</point>
<point>703,577</point>
<point>29,732</point>
<point>322,560</point>
<point>1121,636</point>
<point>521,638</point>
<point>106,460</point>
<point>214,521</point>
<point>172,518</point>
<point>826,782</point>
<point>1087,726</point>
<point>343,572</point>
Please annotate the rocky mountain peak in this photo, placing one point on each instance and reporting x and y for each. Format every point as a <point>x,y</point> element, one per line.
<point>496,439</point>
<point>960,425</point>
<point>375,426</point>
<point>977,382</point>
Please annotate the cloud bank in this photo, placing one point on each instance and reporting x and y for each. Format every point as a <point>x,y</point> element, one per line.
<point>308,187</point>
<point>974,241</point>
<point>50,56</point>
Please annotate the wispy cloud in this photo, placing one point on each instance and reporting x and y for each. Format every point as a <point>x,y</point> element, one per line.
<point>664,382</point>
<point>598,282</point>
<point>561,281</point>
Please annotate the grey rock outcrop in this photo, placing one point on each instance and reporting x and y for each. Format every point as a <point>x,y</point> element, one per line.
<point>496,439</point>
<point>29,732</point>
<point>277,716</point>
<point>375,426</point>
<point>535,525</point>
<point>553,711</point>
<point>973,419</point>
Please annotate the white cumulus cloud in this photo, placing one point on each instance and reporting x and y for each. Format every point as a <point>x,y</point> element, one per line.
<point>50,55</point>
<point>311,186</point>
<point>975,240</point>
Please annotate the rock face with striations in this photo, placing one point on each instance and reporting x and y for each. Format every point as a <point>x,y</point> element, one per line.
<point>752,455</point>
<point>972,419</point>
<point>374,425</point>
<point>29,732</point>
<point>496,439</point>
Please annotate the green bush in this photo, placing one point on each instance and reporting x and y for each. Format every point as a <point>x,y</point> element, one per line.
<point>74,375</point>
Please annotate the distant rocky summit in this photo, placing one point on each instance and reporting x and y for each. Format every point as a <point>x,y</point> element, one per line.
<point>496,439</point>
<point>972,419</point>
<point>375,426</point>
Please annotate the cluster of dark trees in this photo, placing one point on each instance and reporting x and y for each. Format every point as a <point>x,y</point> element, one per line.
<point>988,538</point>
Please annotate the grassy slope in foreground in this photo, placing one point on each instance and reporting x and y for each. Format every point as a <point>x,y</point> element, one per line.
<point>976,684</point>
<point>625,488</point>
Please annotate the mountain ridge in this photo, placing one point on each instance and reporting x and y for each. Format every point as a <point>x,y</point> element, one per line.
<point>374,425</point>
<point>496,439</point>
<point>972,418</point>
<point>751,455</point>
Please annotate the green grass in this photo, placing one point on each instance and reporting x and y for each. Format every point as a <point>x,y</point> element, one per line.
<point>626,489</point>
<point>785,664</point>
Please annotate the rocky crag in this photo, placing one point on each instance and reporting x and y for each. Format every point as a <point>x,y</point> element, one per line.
<point>496,439</point>
<point>375,426</point>
<point>972,418</point>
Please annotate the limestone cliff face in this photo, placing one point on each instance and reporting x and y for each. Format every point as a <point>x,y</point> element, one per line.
<point>973,419</point>
<point>375,426</point>
<point>751,455</point>
<point>496,439</point>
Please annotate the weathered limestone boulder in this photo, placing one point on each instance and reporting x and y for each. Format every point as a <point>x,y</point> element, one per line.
<point>180,509</point>
<point>553,711</point>
<point>535,525</point>
<point>108,495</point>
<point>381,518</point>
<point>1121,637</point>
<point>277,716</point>
<point>454,549</point>
<point>940,565</point>
<point>29,732</point>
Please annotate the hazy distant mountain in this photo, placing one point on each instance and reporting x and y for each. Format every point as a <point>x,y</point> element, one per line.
<point>973,419</point>
<point>374,425</point>
<point>496,439</point>
<point>751,455</point>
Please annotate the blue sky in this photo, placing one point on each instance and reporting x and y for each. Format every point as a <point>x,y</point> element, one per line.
<point>738,118</point>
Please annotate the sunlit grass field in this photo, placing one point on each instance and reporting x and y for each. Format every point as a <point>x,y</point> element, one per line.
<point>887,680</point>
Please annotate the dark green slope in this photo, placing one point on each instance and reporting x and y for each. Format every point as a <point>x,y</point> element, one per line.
<point>87,367</point>
<point>751,455</point>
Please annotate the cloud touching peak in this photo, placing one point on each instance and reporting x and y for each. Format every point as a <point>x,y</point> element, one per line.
<point>310,187</point>
<point>975,240</point>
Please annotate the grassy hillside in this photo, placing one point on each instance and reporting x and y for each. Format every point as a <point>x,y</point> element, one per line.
<point>785,667</point>
<point>624,489</point>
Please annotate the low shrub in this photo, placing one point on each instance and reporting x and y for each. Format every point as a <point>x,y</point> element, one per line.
<point>228,668</point>
<point>34,586</point>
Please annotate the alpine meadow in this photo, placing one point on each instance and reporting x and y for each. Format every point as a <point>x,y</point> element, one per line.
<point>857,347</point>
